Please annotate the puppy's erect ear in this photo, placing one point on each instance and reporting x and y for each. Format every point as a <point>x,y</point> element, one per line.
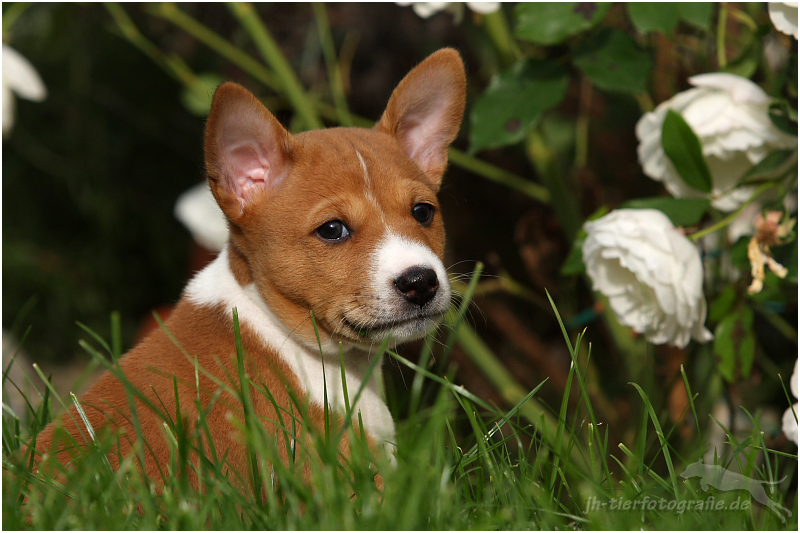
<point>425,111</point>
<point>247,151</point>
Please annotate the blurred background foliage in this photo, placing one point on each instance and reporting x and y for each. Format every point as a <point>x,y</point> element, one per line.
<point>91,175</point>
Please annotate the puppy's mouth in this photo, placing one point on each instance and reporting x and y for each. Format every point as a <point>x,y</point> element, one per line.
<point>402,329</point>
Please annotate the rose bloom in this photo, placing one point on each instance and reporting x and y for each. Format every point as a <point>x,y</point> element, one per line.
<point>789,418</point>
<point>729,115</point>
<point>20,78</point>
<point>651,274</point>
<point>199,212</point>
<point>784,16</point>
<point>428,9</point>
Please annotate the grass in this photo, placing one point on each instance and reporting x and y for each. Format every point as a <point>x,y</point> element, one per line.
<point>460,464</point>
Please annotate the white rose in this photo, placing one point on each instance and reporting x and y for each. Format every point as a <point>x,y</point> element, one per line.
<point>651,274</point>
<point>729,115</point>
<point>20,78</point>
<point>197,209</point>
<point>784,16</point>
<point>428,9</point>
<point>789,418</point>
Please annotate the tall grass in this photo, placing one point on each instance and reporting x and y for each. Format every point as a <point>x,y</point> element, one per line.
<point>460,463</point>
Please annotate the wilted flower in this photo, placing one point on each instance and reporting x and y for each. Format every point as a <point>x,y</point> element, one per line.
<point>428,9</point>
<point>199,212</point>
<point>770,231</point>
<point>20,78</point>
<point>651,274</point>
<point>729,115</point>
<point>784,16</point>
<point>790,416</point>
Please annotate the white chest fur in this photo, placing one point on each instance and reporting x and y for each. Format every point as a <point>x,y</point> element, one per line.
<point>216,285</point>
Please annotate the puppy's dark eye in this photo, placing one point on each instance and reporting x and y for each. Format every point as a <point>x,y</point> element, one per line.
<point>423,213</point>
<point>333,231</point>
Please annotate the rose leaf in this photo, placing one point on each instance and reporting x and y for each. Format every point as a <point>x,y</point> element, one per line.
<point>683,148</point>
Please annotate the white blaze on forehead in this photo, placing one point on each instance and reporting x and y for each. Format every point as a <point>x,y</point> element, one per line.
<point>364,168</point>
<point>395,254</point>
<point>368,187</point>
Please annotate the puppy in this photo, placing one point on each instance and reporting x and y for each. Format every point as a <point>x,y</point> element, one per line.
<point>343,223</point>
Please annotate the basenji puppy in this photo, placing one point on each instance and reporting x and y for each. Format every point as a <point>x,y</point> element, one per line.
<point>343,223</point>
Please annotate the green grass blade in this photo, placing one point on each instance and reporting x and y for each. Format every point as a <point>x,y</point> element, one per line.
<point>662,439</point>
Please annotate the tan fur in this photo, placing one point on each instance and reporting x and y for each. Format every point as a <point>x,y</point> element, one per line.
<point>311,178</point>
<point>150,368</point>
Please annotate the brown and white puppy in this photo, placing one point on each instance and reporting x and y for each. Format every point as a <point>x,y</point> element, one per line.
<point>342,222</point>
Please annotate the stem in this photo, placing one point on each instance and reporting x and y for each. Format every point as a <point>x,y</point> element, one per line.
<point>504,283</point>
<point>582,124</point>
<point>332,65</point>
<point>272,54</point>
<point>696,236</point>
<point>170,12</point>
<point>500,35</point>
<point>499,175</point>
<point>645,102</point>
<point>563,196</point>
<point>173,66</point>
<point>12,14</point>
<point>722,26</point>
<point>744,18</point>
<point>778,322</point>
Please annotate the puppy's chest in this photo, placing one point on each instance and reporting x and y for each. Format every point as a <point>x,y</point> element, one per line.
<point>319,377</point>
<point>322,381</point>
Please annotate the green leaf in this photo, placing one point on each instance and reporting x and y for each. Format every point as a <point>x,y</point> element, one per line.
<point>784,117</point>
<point>722,304</point>
<point>681,211</point>
<point>553,22</point>
<point>653,16</point>
<point>766,167</point>
<point>514,101</point>
<point>696,13</point>
<point>683,148</point>
<point>613,61</point>
<point>734,344</point>
<point>573,265</point>
<point>664,16</point>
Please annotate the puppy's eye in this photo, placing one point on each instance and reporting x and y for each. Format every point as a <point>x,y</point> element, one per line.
<point>423,213</point>
<point>333,231</point>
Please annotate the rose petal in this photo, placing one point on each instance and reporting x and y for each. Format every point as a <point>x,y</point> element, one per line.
<point>789,424</point>
<point>784,16</point>
<point>651,274</point>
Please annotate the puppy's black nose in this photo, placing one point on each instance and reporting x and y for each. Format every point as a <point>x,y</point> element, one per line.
<point>417,285</point>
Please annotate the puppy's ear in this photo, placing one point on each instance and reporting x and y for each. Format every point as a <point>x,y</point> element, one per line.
<point>247,151</point>
<point>425,111</point>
